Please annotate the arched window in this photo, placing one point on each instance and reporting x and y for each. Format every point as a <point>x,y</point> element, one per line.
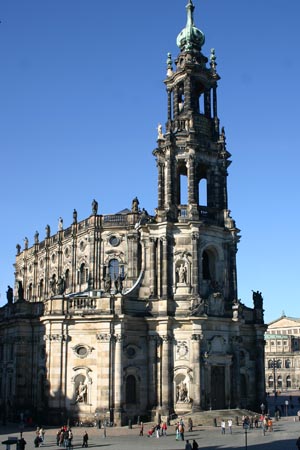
<point>130,389</point>
<point>287,363</point>
<point>208,265</point>
<point>279,382</point>
<point>288,381</point>
<point>113,269</point>
<point>270,364</point>
<point>279,364</point>
<point>203,192</point>
<point>270,381</point>
<point>83,274</point>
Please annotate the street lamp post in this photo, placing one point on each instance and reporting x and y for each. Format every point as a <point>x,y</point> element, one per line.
<point>274,367</point>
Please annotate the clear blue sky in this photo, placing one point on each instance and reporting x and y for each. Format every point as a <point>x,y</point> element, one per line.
<point>81,94</point>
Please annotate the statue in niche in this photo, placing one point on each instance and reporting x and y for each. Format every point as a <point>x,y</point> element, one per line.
<point>81,393</point>
<point>181,272</point>
<point>257,299</point>
<point>9,294</point>
<point>135,205</point>
<point>182,392</point>
<point>94,207</point>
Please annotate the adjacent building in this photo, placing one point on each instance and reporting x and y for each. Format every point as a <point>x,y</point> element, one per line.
<point>134,314</point>
<point>282,354</point>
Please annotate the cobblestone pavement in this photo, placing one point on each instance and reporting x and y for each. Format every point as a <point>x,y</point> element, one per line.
<point>284,436</point>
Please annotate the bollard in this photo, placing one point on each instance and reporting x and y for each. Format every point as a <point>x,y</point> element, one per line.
<point>215,422</point>
<point>129,424</point>
<point>236,420</point>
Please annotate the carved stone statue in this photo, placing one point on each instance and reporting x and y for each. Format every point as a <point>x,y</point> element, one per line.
<point>9,294</point>
<point>135,205</point>
<point>60,224</point>
<point>18,247</point>
<point>107,283</point>
<point>94,207</point>
<point>181,270</point>
<point>119,283</point>
<point>60,285</point>
<point>257,300</point>
<point>47,229</point>
<point>36,237</point>
<point>52,284</point>
<point>20,291</point>
<point>198,307</point>
<point>74,216</point>
<point>159,131</point>
<point>182,392</point>
<point>81,392</point>
<point>26,243</point>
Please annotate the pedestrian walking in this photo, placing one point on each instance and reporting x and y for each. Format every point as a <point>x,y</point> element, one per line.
<point>298,443</point>
<point>188,445</point>
<point>141,429</point>
<point>85,439</point>
<point>195,445</point>
<point>223,426</point>
<point>230,425</point>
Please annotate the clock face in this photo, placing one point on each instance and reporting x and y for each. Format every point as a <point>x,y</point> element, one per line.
<point>114,241</point>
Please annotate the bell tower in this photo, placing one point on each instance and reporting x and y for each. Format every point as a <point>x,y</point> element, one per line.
<point>192,162</point>
<point>192,159</point>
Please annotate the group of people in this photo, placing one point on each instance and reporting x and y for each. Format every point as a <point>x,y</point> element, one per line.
<point>39,439</point>
<point>64,437</point>
<point>158,430</point>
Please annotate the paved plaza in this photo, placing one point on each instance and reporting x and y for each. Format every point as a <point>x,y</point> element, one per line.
<point>284,436</point>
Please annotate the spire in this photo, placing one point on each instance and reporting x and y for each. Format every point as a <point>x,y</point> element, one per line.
<point>190,38</point>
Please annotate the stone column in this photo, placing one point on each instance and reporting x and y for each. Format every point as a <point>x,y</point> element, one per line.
<point>118,378</point>
<point>195,263</point>
<point>191,180</point>
<point>104,370</point>
<point>166,371</point>
<point>164,267</point>
<point>153,284</point>
<point>196,339</point>
<point>152,372</point>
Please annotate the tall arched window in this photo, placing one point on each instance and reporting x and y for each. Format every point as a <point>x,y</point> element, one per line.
<point>288,381</point>
<point>287,363</point>
<point>279,382</point>
<point>113,269</point>
<point>130,389</point>
<point>270,381</point>
<point>203,192</point>
<point>83,274</point>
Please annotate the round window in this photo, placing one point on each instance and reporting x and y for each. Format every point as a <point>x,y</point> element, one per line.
<point>81,351</point>
<point>131,352</point>
<point>114,241</point>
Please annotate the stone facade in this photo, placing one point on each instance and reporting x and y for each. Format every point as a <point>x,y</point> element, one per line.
<point>282,354</point>
<point>132,314</point>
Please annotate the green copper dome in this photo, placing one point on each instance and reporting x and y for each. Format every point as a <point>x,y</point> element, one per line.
<point>190,38</point>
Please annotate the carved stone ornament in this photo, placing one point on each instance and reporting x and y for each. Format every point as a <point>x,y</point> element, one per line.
<point>182,350</point>
<point>55,337</point>
<point>103,337</point>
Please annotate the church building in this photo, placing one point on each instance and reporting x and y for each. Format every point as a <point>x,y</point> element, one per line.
<point>134,314</point>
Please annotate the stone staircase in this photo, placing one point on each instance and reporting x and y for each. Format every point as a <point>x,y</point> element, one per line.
<point>207,418</point>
